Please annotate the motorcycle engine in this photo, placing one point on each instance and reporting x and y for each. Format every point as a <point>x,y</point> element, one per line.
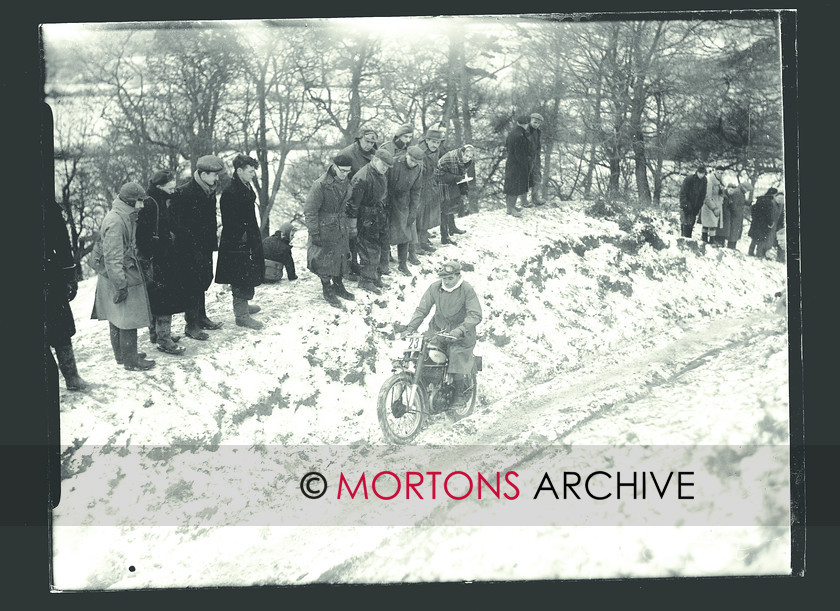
<point>440,399</point>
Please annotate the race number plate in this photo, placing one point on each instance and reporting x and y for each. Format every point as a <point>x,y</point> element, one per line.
<point>412,343</point>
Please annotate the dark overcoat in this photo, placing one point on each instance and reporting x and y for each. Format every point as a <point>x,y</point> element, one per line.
<point>241,262</point>
<point>519,160</point>
<point>429,213</point>
<point>157,249</point>
<point>59,264</point>
<point>733,215</point>
<point>325,217</point>
<point>692,196</point>
<point>193,216</point>
<point>767,219</point>
<point>404,185</point>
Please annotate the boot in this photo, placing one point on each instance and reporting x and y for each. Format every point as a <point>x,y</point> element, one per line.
<point>370,287</point>
<point>329,295</point>
<point>510,204</point>
<point>444,232</point>
<point>452,228</point>
<point>153,332</point>
<point>535,197</point>
<point>67,364</point>
<point>427,247</point>
<point>412,254</point>
<point>243,317</point>
<point>166,343</point>
<point>340,291</point>
<point>115,344</point>
<point>132,361</point>
<point>403,268</point>
<point>204,322</point>
<point>458,384</point>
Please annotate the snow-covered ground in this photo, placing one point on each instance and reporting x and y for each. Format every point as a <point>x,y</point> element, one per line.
<point>596,336</point>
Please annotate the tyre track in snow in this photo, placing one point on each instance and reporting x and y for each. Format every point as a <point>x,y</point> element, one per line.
<point>549,415</point>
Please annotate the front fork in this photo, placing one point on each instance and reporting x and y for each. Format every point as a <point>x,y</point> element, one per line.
<point>418,374</point>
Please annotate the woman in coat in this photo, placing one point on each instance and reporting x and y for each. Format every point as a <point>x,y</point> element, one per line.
<point>121,296</point>
<point>329,229</point>
<point>711,214</point>
<point>157,252</point>
<point>241,263</point>
<point>517,166</point>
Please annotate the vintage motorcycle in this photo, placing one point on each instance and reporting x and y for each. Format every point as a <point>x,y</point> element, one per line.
<point>420,387</point>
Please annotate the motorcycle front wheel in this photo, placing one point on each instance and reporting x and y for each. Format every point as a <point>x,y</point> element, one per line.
<point>401,416</point>
<point>456,414</point>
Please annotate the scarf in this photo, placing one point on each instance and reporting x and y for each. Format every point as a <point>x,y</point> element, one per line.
<point>457,284</point>
<point>208,190</point>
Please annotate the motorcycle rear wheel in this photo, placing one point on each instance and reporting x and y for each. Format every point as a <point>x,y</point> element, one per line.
<point>460,413</point>
<point>399,421</point>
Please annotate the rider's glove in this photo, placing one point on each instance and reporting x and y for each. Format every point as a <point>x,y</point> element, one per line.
<point>457,333</point>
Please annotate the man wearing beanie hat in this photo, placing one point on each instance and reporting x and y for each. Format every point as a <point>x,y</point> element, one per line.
<point>241,263</point>
<point>194,227</point>
<point>404,183</point>
<point>121,296</point>
<point>453,175</point>
<point>428,214</point>
<point>360,152</point>
<point>328,245</point>
<point>157,250</point>
<point>457,313</point>
<point>366,204</point>
<point>400,142</point>
<point>277,249</point>
<point>517,166</point>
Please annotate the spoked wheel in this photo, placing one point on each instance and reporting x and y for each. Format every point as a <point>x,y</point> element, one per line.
<point>457,414</point>
<point>401,413</point>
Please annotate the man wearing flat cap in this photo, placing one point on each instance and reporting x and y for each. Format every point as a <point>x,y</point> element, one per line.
<point>366,204</point>
<point>362,150</point>
<point>457,313</point>
<point>121,296</point>
<point>400,142</point>
<point>195,230</point>
<point>453,174</point>
<point>535,137</point>
<point>404,183</point>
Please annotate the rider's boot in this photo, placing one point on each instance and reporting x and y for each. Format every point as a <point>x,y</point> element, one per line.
<point>459,385</point>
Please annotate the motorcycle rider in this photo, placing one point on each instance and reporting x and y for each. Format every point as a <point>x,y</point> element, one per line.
<point>457,312</point>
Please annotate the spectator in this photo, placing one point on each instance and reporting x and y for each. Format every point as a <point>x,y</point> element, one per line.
<point>121,296</point>
<point>60,287</point>
<point>734,206</point>
<point>360,153</point>
<point>692,195</point>
<point>241,263</point>
<point>712,210</point>
<point>156,249</point>
<point>518,166</point>
<point>400,142</point>
<point>404,184</point>
<point>366,204</point>
<point>428,216</point>
<point>767,219</point>
<point>535,139</point>
<point>194,227</point>
<point>452,178</point>
<point>277,250</point>
<point>457,313</point>
<point>329,229</point>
